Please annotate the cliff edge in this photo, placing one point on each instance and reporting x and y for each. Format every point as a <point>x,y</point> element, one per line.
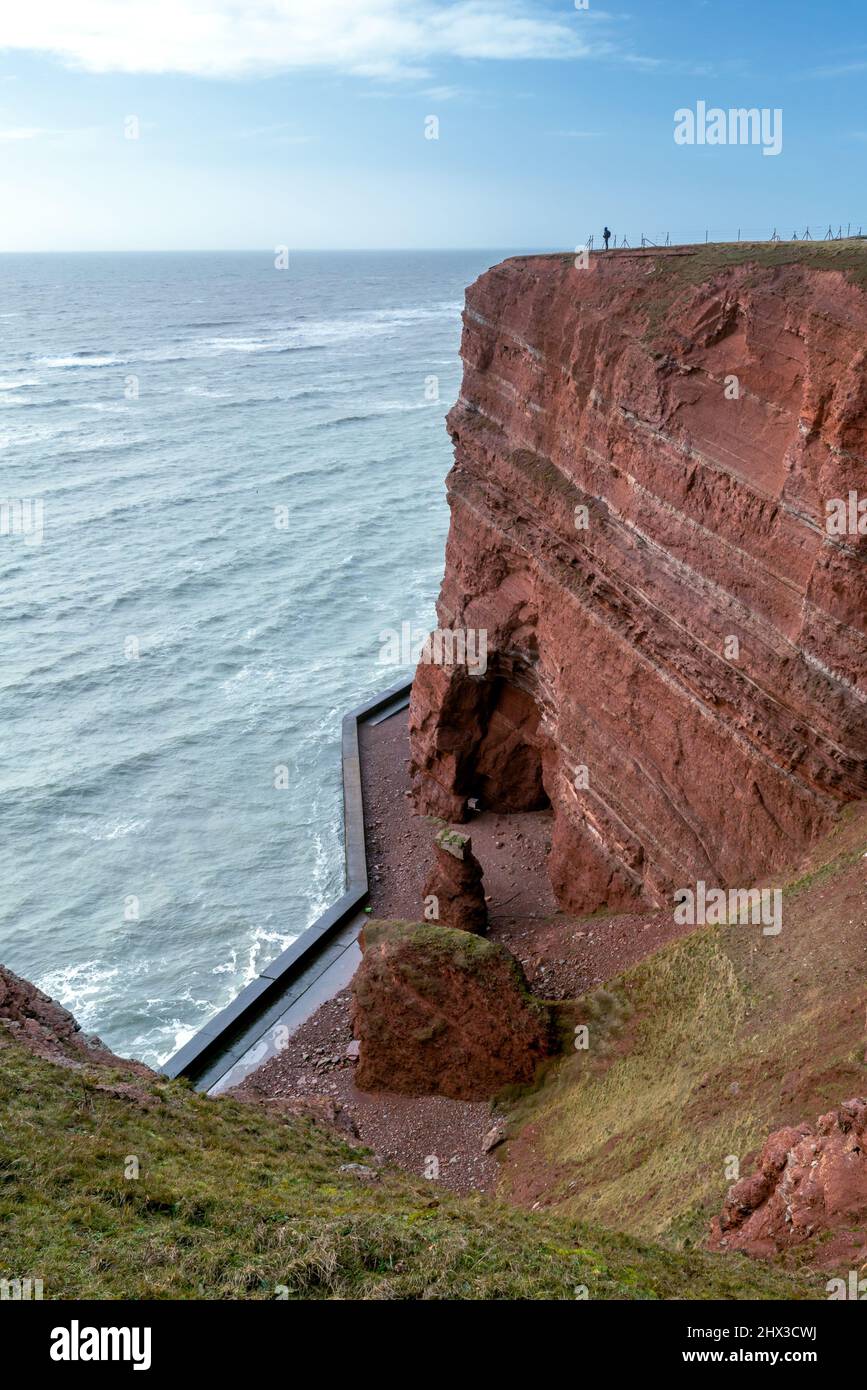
<point>646,455</point>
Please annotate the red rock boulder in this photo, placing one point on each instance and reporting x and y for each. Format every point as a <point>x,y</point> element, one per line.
<point>443,1012</point>
<point>454,895</point>
<point>811,1181</point>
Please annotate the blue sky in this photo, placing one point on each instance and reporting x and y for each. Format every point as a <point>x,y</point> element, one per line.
<point>273,122</point>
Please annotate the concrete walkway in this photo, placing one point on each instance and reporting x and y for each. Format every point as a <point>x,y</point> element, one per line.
<point>315,967</point>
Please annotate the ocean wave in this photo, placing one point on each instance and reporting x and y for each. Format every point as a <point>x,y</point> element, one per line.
<point>81,988</point>
<point>84,359</point>
<point>276,398</point>
<point>422,312</point>
<point>104,830</point>
<point>101,441</point>
<point>342,420</point>
<point>210,395</point>
<point>257,953</point>
<point>245,674</point>
<point>37,434</point>
<point>303,347</point>
<point>157,1046</point>
<point>385,408</point>
<point>300,337</point>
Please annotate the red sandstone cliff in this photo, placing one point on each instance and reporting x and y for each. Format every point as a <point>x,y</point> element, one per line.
<point>609,647</point>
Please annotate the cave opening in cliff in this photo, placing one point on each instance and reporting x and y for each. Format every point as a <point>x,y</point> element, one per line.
<point>508,760</point>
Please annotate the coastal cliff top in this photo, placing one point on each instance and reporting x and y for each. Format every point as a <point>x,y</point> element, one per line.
<point>849,252</point>
<point>672,268</point>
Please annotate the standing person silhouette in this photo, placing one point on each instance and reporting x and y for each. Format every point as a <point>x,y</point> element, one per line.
<point>606,235</point>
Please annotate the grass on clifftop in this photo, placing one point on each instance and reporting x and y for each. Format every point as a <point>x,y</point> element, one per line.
<point>233,1202</point>
<point>692,263</point>
<point>671,275</point>
<point>675,268</point>
<point>700,1051</point>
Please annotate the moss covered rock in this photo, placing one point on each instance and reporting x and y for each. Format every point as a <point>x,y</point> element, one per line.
<point>439,1011</point>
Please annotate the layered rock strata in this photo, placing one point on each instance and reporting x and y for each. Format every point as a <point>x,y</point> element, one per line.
<point>645,451</point>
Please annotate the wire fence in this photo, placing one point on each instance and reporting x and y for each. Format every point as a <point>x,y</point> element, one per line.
<point>813,231</point>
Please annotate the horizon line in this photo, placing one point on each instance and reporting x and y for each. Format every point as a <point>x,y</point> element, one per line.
<point>252,250</point>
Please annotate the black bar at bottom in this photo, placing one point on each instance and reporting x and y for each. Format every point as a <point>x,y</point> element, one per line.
<point>254,1335</point>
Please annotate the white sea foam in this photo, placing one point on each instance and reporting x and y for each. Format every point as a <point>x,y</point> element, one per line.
<point>263,946</point>
<point>81,988</point>
<point>35,432</point>
<point>104,830</point>
<point>313,333</point>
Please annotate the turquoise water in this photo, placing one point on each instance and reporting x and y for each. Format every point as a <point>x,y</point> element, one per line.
<point>240,474</point>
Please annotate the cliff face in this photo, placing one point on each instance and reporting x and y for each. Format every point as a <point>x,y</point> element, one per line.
<point>676,655</point>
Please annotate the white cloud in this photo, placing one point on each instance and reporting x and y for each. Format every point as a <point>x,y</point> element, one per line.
<point>236,38</point>
<point>280,133</point>
<point>10,134</point>
<point>444,93</point>
<point>842,70</point>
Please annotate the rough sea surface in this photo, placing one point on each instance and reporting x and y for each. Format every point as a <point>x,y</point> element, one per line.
<point>231,479</point>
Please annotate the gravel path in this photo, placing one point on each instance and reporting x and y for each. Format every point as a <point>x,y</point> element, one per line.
<point>563,956</point>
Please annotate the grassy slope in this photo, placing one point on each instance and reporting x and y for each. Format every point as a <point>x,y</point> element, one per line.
<point>701,1050</point>
<point>233,1201</point>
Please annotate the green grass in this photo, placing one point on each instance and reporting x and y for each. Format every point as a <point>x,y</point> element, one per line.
<point>235,1202</point>
<point>618,1115</point>
<point>701,1050</point>
<point>826,871</point>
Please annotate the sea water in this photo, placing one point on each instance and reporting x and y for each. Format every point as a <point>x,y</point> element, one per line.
<point>238,473</point>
